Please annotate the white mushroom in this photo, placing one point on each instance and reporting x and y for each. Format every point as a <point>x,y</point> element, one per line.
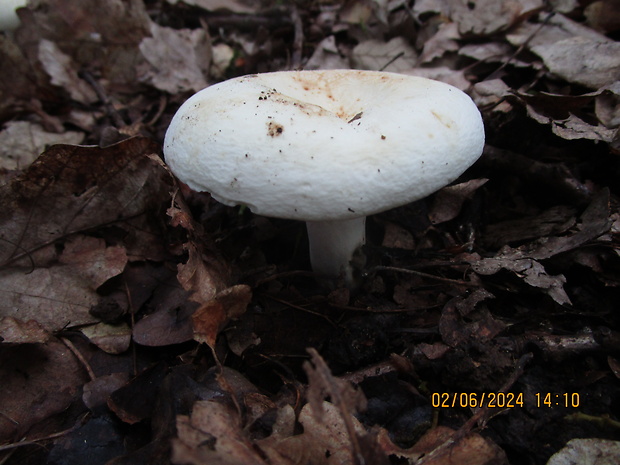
<point>8,17</point>
<point>325,147</point>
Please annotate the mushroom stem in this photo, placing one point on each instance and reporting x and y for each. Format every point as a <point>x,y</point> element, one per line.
<point>332,245</point>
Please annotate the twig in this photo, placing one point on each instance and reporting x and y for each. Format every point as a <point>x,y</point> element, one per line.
<point>424,275</point>
<point>396,57</point>
<point>521,47</point>
<point>80,357</point>
<point>297,307</point>
<point>117,120</point>
<point>32,442</point>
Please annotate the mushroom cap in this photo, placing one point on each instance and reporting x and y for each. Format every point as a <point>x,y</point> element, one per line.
<point>323,145</point>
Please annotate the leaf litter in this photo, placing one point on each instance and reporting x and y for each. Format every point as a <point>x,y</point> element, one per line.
<point>113,276</point>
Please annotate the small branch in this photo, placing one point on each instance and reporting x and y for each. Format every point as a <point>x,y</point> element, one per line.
<point>424,275</point>
<point>32,442</point>
<point>80,357</point>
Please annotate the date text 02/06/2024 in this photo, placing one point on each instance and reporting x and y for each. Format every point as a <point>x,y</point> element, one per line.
<point>503,400</point>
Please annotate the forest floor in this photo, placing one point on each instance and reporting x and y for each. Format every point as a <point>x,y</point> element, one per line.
<point>143,323</point>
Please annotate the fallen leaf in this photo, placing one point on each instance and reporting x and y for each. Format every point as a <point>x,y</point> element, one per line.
<point>395,56</point>
<point>531,271</point>
<point>447,203</point>
<point>179,60</point>
<point>13,331</point>
<point>437,448</point>
<point>38,381</point>
<point>70,189</point>
<point>592,451</point>
<point>54,297</point>
<point>569,58</point>
<point>94,262</point>
<point>211,316</point>
<point>327,56</point>
<point>113,339</point>
<point>487,17</point>
<point>97,391</point>
<point>21,142</point>
<point>63,72</point>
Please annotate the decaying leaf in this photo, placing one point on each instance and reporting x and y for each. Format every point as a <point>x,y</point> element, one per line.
<point>113,339</point>
<point>449,200</point>
<point>38,381</point>
<point>50,273</point>
<point>593,451</point>
<point>178,60</point>
<point>211,316</point>
<point>488,16</point>
<point>395,56</point>
<point>593,64</point>
<point>21,142</point>
<point>436,448</point>
<point>13,331</point>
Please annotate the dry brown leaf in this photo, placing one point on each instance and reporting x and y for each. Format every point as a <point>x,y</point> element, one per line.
<point>67,190</point>
<point>212,434</point>
<point>550,29</point>
<point>607,106</point>
<point>63,72</point>
<point>486,17</point>
<point>396,55</point>
<point>444,40</point>
<point>97,391</point>
<point>531,271</point>
<point>327,56</point>
<point>21,142</point>
<point>92,260</point>
<point>19,80</point>
<point>434,448</point>
<point>14,331</point>
<point>170,323</point>
<point>38,381</point>
<point>571,58</point>
<point>450,76</point>
<point>212,315</point>
<point>54,297</point>
<point>178,60</point>
<point>205,273</point>
<point>113,339</point>
<point>593,451</point>
<point>70,189</point>
<point>448,201</point>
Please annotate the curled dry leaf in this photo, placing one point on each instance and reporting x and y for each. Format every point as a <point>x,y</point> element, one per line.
<point>212,315</point>
<point>436,448</point>
<point>63,72</point>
